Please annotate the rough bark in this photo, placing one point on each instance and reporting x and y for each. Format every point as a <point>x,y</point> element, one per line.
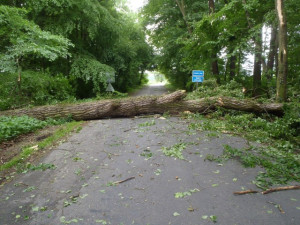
<point>282,56</point>
<point>130,107</point>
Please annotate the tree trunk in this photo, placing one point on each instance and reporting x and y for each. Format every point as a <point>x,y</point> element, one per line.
<point>239,62</point>
<point>232,72</point>
<point>211,5</point>
<point>257,64</point>
<point>181,6</point>
<point>215,67</point>
<point>19,80</point>
<point>272,53</point>
<point>214,63</point>
<point>171,103</point>
<point>282,56</point>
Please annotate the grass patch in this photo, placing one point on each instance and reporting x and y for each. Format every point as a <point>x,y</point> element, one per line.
<point>20,159</point>
<point>147,124</point>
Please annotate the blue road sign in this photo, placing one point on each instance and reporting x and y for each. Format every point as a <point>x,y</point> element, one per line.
<point>199,79</point>
<point>198,76</point>
<point>198,73</point>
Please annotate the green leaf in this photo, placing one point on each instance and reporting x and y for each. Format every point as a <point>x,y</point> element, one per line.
<point>213,218</point>
<point>204,217</point>
<point>35,209</point>
<point>176,214</point>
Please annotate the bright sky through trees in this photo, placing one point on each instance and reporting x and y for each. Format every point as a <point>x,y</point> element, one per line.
<point>135,5</point>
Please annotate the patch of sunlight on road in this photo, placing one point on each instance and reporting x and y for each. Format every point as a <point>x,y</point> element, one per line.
<point>156,83</point>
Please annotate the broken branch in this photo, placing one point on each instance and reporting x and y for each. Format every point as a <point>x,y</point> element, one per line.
<point>281,189</point>
<point>294,187</point>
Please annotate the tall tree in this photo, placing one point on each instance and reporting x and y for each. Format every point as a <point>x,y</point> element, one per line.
<point>214,56</point>
<point>281,90</point>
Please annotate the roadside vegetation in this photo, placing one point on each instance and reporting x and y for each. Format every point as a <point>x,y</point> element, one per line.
<point>12,127</point>
<point>273,142</point>
<point>21,161</point>
<point>68,50</point>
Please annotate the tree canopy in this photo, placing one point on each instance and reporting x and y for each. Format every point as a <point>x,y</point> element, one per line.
<point>219,37</point>
<point>82,39</point>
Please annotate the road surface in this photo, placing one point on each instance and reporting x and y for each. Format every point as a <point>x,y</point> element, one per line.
<point>154,89</point>
<point>117,172</point>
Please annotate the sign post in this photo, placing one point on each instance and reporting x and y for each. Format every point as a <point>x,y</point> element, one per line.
<point>110,78</point>
<point>197,77</point>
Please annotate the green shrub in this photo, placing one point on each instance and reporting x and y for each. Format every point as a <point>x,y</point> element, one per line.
<point>37,88</point>
<point>11,127</point>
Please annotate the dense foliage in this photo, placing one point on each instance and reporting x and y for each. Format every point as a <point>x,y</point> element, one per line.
<point>220,37</point>
<point>80,41</point>
<point>37,88</point>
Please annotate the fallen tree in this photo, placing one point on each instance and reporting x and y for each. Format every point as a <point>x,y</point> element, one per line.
<point>172,103</point>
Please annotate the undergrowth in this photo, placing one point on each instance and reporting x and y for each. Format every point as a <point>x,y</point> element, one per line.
<point>37,88</point>
<point>13,126</point>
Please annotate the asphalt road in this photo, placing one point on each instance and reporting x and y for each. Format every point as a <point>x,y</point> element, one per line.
<point>86,186</point>
<point>154,89</point>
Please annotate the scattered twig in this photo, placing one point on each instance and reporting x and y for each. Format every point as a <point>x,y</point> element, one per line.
<point>245,192</point>
<point>268,190</point>
<point>277,206</point>
<point>281,189</point>
<point>74,196</point>
<point>122,181</point>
